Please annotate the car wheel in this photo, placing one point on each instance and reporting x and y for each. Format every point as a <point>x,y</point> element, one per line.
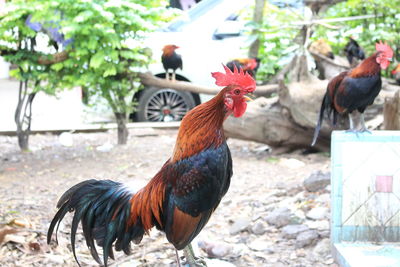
<point>165,104</point>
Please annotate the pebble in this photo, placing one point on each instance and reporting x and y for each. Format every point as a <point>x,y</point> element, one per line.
<point>218,263</point>
<point>260,245</point>
<point>306,238</point>
<point>65,139</point>
<point>240,224</point>
<point>323,248</point>
<point>258,228</point>
<point>317,213</point>
<point>293,230</point>
<point>317,181</point>
<point>279,217</point>
<point>215,250</point>
<point>105,147</point>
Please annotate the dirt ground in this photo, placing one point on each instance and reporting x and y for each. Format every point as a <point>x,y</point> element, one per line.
<point>32,182</point>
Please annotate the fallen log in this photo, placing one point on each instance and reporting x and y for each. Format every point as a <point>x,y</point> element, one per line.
<point>150,80</point>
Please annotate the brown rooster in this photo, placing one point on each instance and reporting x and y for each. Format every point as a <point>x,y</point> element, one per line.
<point>355,89</point>
<point>249,65</point>
<point>171,60</point>
<point>180,198</point>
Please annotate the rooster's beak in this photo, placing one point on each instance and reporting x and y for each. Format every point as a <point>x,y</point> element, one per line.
<point>247,98</point>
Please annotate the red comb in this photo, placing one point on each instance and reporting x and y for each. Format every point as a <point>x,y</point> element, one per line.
<point>385,48</point>
<point>237,77</point>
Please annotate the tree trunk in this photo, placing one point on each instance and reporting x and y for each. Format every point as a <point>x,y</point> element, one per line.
<point>23,115</point>
<point>257,18</point>
<point>391,112</point>
<point>122,130</point>
<point>149,80</point>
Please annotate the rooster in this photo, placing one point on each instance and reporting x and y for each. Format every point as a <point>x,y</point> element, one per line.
<point>249,65</point>
<point>171,60</point>
<point>353,50</point>
<point>355,89</point>
<point>179,199</point>
<point>396,74</point>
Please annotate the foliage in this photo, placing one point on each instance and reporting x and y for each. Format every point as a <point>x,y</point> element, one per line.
<point>278,32</point>
<point>16,36</point>
<point>385,26</point>
<point>276,37</point>
<point>103,39</point>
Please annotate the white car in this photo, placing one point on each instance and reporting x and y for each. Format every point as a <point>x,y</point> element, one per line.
<point>208,35</point>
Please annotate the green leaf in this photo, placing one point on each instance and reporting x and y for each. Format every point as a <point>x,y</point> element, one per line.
<point>57,66</point>
<point>111,71</point>
<point>97,60</point>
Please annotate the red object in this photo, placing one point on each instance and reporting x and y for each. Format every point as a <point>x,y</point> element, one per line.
<point>384,183</point>
<point>237,77</point>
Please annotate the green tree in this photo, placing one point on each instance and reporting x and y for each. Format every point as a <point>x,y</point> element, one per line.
<point>18,46</point>
<point>106,50</point>
<point>385,25</point>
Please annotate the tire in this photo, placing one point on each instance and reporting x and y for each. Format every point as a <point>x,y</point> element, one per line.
<point>164,104</point>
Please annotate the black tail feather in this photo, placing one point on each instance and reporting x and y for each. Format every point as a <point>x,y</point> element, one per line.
<point>103,208</point>
<point>320,119</point>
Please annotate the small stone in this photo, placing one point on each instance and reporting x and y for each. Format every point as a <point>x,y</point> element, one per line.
<point>293,230</point>
<point>260,245</point>
<point>262,148</point>
<point>105,147</point>
<point>279,217</point>
<point>306,238</point>
<point>258,228</point>
<point>317,213</point>
<point>218,263</point>
<point>65,139</point>
<point>324,233</point>
<point>317,181</point>
<point>215,250</point>
<point>239,225</point>
<point>323,248</point>
<point>320,225</point>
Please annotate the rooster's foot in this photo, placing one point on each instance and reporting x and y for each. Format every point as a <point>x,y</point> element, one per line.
<point>365,130</point>
<point>197,262</point>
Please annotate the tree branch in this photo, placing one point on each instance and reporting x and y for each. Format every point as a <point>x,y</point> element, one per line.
<point>149,80</point>
<point>43,59</point>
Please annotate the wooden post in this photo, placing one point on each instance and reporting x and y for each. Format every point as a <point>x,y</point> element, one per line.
<point>391,112</point>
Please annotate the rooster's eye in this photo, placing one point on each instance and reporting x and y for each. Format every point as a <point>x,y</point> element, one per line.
<point>236,92</point>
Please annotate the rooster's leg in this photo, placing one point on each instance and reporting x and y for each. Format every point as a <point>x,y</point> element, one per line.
<point>177,258</point>
<point>351,122</point>
<point>173,76</point>
<point>363,126</point>
<point>191,258</point>
<point>167,74</point>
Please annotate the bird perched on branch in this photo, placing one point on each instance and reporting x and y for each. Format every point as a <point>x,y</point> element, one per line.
<point>355,89</point>
<point>179,199</point>
<point>396,74</point>
<point>354,51</point>
<point>249,65</point>
<point>171,60</point>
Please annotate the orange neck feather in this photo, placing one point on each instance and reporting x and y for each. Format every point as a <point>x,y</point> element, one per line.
<point>168,51</point>
<point>201,128</point>
<point>368,67</point>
